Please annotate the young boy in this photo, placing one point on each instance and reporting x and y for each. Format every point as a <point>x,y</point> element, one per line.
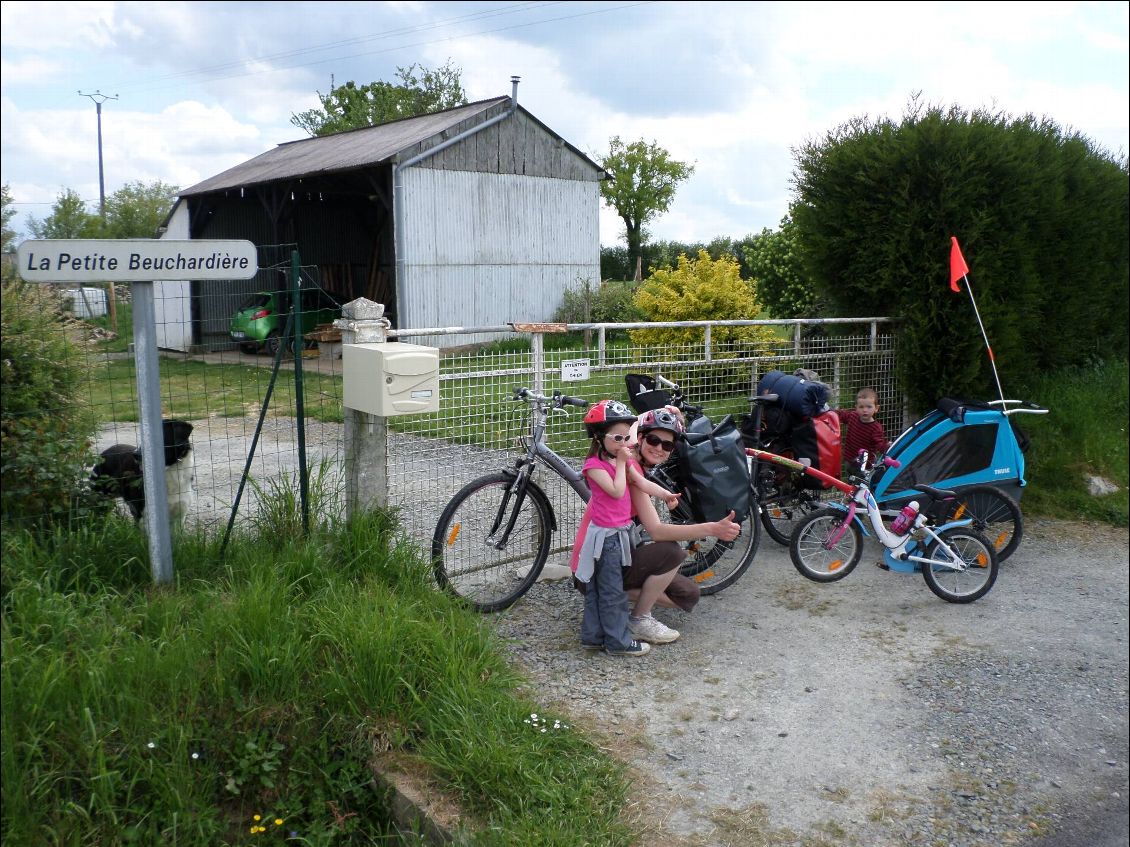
<point>860,429</point>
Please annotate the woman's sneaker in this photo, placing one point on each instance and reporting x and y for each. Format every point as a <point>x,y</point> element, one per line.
<point>635,648</point>
<point>648,628</point>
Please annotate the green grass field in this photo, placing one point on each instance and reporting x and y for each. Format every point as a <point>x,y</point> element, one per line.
<point>256,691</point>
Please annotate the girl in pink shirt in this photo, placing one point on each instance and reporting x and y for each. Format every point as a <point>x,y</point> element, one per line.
<point>604,544</point>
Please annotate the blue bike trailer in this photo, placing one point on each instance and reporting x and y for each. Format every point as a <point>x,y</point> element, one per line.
<point>958,444</point>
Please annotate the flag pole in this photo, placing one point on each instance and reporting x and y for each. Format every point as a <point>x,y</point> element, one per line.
<point>992,358</point>
<point>958,267</point>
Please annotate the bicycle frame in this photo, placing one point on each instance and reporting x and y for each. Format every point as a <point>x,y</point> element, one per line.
<point>537,450</point>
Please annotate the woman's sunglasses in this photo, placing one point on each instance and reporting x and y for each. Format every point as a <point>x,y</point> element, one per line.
<point>662,443</point>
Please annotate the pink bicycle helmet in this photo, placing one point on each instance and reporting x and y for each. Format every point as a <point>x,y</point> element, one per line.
<point>660,419</point>
<point>605,413</point>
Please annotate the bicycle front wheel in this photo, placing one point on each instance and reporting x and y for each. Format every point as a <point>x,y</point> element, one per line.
<point>715,564</point>
<point>994,513</point>
<point>472,559</point>
<point>823,549</point>
<point>966,575</point>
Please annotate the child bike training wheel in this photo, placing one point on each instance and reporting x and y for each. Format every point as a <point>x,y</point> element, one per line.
<point>466,558</point>
<point>980,562</point>
<point>823,549</point>
<point>994,513</point>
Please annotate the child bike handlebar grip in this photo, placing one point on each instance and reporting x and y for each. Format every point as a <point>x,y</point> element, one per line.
<point>891,463</point>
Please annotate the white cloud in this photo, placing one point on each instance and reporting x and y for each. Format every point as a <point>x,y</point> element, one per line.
<point>27,70</point>
<point>730,87</point>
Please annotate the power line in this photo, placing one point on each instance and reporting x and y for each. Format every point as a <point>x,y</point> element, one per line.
<point>599,11</point>
<point>407,30</point>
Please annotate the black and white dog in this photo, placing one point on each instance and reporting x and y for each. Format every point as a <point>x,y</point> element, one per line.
<point>119,473</point>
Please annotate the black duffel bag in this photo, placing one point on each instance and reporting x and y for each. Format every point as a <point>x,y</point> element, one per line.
<point>802,397</point>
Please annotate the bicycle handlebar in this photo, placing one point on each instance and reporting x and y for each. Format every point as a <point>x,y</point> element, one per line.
<point>556,401</point>
<point>1024,407</point>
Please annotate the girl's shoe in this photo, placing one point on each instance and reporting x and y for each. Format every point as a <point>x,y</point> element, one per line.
<point>635,648</point>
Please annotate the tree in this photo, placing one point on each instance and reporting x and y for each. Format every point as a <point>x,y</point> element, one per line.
<point>700,289</point>
<point>68,219</point>
<point>1042,216</point>
<point>350,106</point>
<point>644,179</point>
<point>7,213</point>
<point>774,261</point>
<point>137,210</point>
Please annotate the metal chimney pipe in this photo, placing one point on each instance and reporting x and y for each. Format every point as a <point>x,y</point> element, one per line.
<point>514,90</point>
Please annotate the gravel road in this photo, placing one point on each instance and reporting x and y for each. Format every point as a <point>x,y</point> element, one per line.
<point>868,711</point>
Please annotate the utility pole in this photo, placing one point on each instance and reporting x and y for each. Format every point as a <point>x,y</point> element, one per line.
<point>99,98</point>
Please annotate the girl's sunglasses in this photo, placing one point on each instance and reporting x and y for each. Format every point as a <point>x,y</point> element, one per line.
<point>617,438</point>
<point>662,443</point>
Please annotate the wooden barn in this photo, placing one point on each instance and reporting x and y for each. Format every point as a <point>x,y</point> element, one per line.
<point>474,216</point>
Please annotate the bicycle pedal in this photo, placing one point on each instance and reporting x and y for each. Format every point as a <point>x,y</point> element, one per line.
<point>883,566</point>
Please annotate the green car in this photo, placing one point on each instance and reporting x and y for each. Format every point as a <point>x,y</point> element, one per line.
<point>261,318</point>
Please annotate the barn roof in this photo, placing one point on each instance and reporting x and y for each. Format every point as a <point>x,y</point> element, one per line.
<point>345,151</point>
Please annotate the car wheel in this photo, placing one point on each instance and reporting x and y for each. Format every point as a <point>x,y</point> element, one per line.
<point>273,340</point>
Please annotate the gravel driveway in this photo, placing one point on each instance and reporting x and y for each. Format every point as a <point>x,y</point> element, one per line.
<point>868,711</point>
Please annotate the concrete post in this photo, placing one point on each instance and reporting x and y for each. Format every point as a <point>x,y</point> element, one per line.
<point>366,436</point>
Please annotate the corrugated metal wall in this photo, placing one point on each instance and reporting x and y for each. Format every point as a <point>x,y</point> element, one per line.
<point>483,249</point>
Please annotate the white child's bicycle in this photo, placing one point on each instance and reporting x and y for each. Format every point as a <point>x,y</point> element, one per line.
<point>958,563</point>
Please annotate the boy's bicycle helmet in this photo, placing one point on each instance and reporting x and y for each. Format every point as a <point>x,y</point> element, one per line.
<point>605,413</point>
<point>660,419</point>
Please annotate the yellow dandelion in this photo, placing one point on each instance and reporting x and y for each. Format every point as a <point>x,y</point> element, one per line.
<point>278,821</point>
<point>255,817</point>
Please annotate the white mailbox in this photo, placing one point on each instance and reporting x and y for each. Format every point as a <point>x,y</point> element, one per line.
<point>389,379</point>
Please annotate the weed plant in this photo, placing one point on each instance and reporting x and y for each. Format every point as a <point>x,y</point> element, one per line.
<point>1083,434</point>
<point>245,704</point>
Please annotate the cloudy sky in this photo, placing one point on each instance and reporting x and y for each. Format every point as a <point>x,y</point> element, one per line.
<point>730,87</point>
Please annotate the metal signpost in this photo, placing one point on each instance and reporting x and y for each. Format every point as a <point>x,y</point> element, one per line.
<point>142,262</point>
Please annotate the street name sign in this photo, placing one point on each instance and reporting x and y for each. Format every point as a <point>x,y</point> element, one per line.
<point>135,260</point>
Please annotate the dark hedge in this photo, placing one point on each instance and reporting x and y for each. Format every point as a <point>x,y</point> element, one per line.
<point>1041,215</point>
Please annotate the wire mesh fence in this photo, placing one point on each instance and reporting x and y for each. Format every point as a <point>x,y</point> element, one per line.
<point>241,392</point>
<point>480,427</point>
<point>71,413</point>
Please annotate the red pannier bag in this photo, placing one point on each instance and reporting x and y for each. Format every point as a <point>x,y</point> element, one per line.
<point>818,440</point>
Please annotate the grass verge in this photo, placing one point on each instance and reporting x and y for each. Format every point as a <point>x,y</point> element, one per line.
<point>245,704</point>
<point>1083,435</point>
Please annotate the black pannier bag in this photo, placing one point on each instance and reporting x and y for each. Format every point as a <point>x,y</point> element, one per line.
<point>714,474</point>
<point>642,393</point>
<point>776,428</point>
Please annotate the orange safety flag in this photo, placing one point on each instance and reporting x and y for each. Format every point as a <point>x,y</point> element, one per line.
<point>958,268</point>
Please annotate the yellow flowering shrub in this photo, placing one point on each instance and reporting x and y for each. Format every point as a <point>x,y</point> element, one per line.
<point>701,289</point>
